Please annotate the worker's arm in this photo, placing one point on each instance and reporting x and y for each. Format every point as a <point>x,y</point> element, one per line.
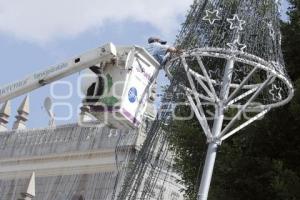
<point>174,50</point>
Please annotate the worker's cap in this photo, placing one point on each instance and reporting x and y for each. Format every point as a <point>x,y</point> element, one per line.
<point>156,39</point>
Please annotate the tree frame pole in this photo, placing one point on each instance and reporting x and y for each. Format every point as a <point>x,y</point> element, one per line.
<point>207,171</point>
<point>214,142</point>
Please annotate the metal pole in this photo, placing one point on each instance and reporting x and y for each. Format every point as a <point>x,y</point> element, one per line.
<point>217,127</point>
<point>207,171</point>
<point>210,160</point>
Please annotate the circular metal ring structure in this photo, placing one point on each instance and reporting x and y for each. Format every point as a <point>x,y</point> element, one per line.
<point>256,65</point>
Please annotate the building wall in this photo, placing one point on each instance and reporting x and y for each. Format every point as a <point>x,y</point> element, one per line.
<point>70,162</point>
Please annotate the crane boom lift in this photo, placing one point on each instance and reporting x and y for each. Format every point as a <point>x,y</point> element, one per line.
<point>39,79</point>
<point>116,83</point>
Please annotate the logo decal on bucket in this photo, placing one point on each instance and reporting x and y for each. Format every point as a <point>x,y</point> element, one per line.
<point>132,94</point>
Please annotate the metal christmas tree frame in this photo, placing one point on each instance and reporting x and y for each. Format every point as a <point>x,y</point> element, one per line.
<point>239,87</point>
<point>241,96</point>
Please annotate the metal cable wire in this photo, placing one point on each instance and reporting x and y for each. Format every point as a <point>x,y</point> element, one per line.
<point>154,150</point>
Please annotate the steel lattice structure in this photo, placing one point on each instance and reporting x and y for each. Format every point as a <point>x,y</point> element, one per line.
<point>234,68</point>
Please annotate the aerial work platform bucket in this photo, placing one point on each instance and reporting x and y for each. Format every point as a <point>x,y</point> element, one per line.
<point>117,93</point>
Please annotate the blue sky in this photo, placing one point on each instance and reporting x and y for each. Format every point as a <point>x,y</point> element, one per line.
<point>36,34</point>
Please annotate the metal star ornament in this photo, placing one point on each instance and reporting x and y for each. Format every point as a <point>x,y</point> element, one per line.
<point>237,46</point>
<point>212,16</point>
<point>215,75</point>
<point>236,23</point>
<point>239,74</point>
<point>276,93</point>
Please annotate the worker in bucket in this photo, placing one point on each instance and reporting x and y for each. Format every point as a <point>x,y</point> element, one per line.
<point>159,49</point>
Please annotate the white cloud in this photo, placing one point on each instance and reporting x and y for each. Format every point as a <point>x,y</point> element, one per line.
<point>45,20</point>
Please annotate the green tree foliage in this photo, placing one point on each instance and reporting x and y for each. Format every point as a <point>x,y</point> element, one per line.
<point>262,162</point>
<point>291,40</point>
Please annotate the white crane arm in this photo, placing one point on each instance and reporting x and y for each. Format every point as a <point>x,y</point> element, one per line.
<point>39,79</point>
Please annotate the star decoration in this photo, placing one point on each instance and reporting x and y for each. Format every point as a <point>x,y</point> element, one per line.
<point>215,75</point>
<point>239,74</point>
<point>236,46</point>
<point>237,78</point>
<point>276,93</point>
<point>211,16</point>
<point>236,23</point>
